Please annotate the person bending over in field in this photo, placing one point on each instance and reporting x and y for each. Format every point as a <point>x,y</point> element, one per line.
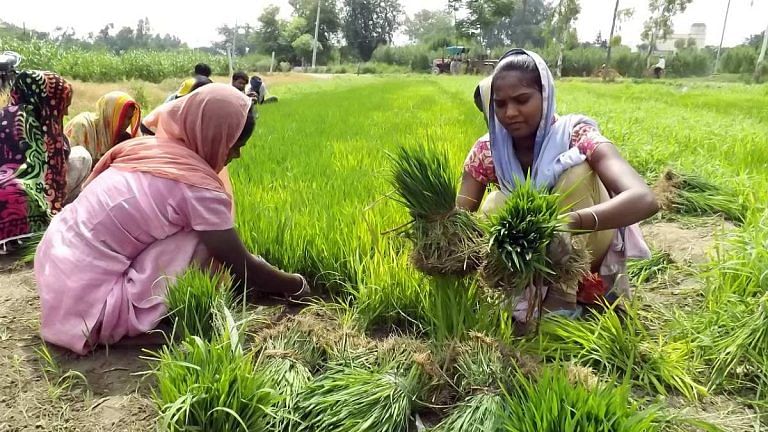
<point>148,126</point>
<point>152,207</point>
<point>202,69</point>
<point>93,134</point>
<point>603,194</point>
<point>253,87</point>
<point>188,86</point>
<point>33,155</point>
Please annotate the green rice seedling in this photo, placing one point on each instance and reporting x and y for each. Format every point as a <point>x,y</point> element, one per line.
<point>690,194</point>
<point>552,402</point>
<point>621,345</point>
<point>446,240</point>
<point>212,385</point>
<point>520,236</point>
<point>193,299</point>
<point>649,270</point>
<point>744,347</point>
<point>477,413</point>
<point>479,367</point>
<point>352,399</point>
<point>288,358</point>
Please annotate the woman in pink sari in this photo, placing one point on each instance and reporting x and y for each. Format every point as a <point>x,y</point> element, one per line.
<point>152,207</point>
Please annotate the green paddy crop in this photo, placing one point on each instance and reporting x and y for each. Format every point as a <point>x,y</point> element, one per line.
<point>313,193</point>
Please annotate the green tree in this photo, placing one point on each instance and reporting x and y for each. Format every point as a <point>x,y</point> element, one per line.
<point>268,33</point>
<point>561,28</point>
<point>431,27</point>
<point>659,25</point>
<point>303,45</point>
<point>330,23</point>
<point>370,23</point>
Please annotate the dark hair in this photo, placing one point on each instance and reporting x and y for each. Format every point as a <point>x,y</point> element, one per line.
<point>526,66</point>
<point>239,75</point>
<point>250,125</point>
<point>479,99</point>
<point>200,80</point>
<point>202,69</point>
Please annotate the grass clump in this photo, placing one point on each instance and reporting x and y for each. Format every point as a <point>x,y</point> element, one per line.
<point>212,385</point>
<point>446,240</point>
<point>553,402</point>
<point>690,194</point>
<point>193,300</point>
<point>619,344</point>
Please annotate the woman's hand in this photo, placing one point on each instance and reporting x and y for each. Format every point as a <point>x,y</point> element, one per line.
<point>226,247</point>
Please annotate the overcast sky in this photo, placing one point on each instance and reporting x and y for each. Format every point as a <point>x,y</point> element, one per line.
<point>197,26</point>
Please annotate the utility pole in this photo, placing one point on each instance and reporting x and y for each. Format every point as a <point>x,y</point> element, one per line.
<point>317,33</point>
<point>722,36</point>
<point>610,40</point>
<point>761,58</point>
<point>234,47</point>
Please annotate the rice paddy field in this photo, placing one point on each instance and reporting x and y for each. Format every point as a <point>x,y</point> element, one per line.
<point>386,349</point>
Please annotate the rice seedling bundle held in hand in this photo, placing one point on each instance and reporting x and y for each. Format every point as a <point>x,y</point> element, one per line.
<point>446,240</point>
<point>517,255</point>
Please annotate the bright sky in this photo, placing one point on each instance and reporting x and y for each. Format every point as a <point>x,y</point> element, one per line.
<point>197,26</point>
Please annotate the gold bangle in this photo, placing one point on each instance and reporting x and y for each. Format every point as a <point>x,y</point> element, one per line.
<point>597,221</point>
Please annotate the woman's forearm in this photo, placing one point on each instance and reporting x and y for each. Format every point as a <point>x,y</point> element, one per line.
<point>625,209</point>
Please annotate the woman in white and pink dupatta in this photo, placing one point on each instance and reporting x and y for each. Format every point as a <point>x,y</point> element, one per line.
<point>605,196</point>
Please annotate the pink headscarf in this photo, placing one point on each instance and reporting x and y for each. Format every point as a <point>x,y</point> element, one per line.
<point>193,137</point>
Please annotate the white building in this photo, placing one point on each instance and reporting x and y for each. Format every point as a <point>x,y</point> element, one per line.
<point>697,35</point>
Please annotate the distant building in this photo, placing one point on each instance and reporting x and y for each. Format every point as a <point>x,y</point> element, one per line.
<point>696,38</point>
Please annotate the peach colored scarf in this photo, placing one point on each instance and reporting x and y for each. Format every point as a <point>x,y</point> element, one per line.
<point>193,137</point>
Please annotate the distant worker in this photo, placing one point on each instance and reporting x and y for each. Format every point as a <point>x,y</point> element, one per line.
<point>188,86</point>
<point>253,87</point>
<point>203,69</point>
<point>659,68</point>
<point>92,134</point>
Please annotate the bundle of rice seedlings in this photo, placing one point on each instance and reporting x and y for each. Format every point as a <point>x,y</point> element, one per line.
<point>476,413</point>
<point>479,366</point>
<point>211,385</point>
<point>552,402</point>
<point>348,398</point>
<point>621,345</point>
<point>446,240</point>
<point>194,298</point>
<point>520,237</point>
<point>649,270</point>
<point>288,360</point>
<point>690,194</point>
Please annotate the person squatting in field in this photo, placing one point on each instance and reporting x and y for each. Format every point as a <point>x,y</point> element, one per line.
<point>33,155</point>
<point>92,134</point>
<point>253,87</point>
<point>152,207</point>
<point>603,194</point>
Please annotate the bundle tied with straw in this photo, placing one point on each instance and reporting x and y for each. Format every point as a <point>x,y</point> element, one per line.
<point>690,194</point>
<point>354,398</point>
<point>446,241</point>
<point>288,358</point>
<point>480,365</point>
<point>522,238</point>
